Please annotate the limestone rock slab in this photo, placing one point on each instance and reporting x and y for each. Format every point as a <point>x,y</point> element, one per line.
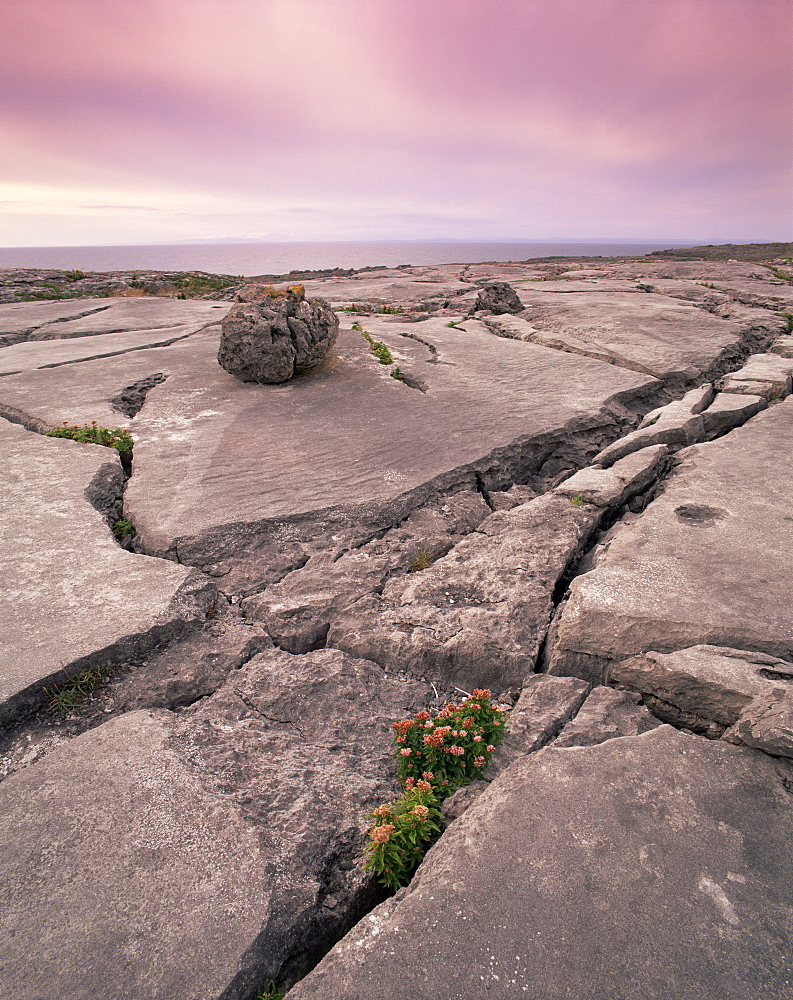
<point>72,596</point>
<point>730,410</point>
<point>702,564</point>
<point>709,681</point>
<point>477,616</point>
<point>646,867</point>
<point>238,478</point>
<point>769,375</point>
<point>783,346</point>
<point>613,486</point>
<point>297,611</point>
<point>678,423</point>
<point>668,338</point>
<point>168,857</point>
<point>607,714</point>
<point>766,723</point>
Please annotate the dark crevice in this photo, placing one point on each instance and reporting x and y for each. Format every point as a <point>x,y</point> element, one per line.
<point>131,399</point>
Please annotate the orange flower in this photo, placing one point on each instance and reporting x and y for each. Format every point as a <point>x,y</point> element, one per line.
<point>381,834</point>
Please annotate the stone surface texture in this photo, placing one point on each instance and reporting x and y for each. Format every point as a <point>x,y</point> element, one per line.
<point>73,597</point>
<point>272,335</point>
<point>567,488</point>
<point>700,565</point>
<point>646,867</point>
<point>228,841</point>
<point>607,715</point>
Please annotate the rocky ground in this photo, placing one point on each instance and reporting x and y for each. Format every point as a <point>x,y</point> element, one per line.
<point>584,505</point>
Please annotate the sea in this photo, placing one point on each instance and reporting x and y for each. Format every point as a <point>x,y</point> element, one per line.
<point>249,259</point>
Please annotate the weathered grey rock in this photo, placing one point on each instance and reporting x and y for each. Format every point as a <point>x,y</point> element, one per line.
<point>678,423</point>
<point>701,564</point>
<point>612,487</point>
<point>546,704</point>
<point>298,610</point>
<point>498,297</point>
<point>513,497</point>
<point>194,856</point>
<point>477,616</point>
<point>709,682</point>
<point>191,668</point>
<point>766,723</point>
<point>782,346</point>
<point>673,340</point>
<point>646,867</point>
<point>247,482</point>
<point>73,597</point>
<point>768,375</point>
<point>606,715</point>
<point>730,410</point>
<point>271,335</point>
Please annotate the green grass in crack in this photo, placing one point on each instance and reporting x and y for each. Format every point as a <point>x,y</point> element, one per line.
<point>123,528</point>
<point>94,433</point>
<point>379,349</point>
<point>71,693</point>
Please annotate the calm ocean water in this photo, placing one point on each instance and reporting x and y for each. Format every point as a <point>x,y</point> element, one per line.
<point>280,258</point>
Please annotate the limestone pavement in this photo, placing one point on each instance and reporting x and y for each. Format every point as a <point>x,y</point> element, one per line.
<point>584,505</point>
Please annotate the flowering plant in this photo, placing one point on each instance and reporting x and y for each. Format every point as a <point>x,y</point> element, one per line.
<point>402,832</point>
<point>435,756</point>
<point>453,748</point>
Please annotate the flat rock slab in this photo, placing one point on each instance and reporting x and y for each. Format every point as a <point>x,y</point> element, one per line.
<point>48,354</point>
<point>703,564</point>
<point>218,462</point>
<point>73,597</point>
<point>651,333</point>
<point>478,615</point>
<point>607,714</point>
<point>184,857</point>
<point>648,867</point>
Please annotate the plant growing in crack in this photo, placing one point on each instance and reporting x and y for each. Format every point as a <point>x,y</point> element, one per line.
<point>71,693</point>
<point>268,991</point>
<point>435,756</point>
<point>93,433</point>
<point>424,558</point>
<point>380,350</point>
<point>123,528</point>
<point>578,501</point>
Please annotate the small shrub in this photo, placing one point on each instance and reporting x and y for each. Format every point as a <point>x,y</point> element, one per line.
<point>396,372</point>
<point>76,275</point>
<point>578,501</point>
<point>454,323</point>
<point>351,309</point>
<point>391,310</point>
<point>123,528</point>
<point>357,326</point>
<point>435,756</point>
<point>93,433</point>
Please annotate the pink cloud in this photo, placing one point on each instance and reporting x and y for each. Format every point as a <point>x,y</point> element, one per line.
<point>544,116</point>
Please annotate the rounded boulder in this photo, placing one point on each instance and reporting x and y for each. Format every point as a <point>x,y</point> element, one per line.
<point>272,334</point>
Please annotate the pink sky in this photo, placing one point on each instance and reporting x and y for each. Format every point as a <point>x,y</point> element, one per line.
<point>157,120</point>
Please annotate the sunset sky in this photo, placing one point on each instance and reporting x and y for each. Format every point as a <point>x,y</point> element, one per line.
<point>141,121</point>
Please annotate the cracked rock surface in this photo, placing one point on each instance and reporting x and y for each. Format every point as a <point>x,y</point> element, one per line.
<point>595,487</point>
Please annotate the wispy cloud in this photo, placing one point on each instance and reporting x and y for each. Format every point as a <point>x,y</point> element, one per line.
<point>369,118</point>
